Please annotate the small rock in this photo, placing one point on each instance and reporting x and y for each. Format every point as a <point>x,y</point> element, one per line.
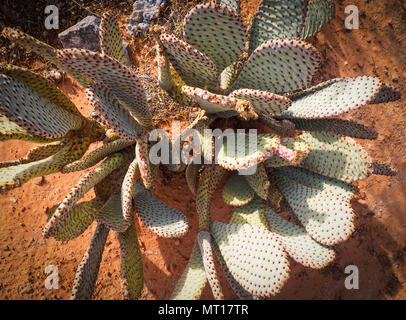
<point>144,11</point>
<point>127,53</point>
<point>177,242</point>
<point>13,200</point>
<point>83,35</point>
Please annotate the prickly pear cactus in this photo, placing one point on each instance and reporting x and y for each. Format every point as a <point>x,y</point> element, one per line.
<point>34,109</point>
<point>306,157</point>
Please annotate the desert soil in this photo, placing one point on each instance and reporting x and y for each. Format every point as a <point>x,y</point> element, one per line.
<point>377,247</point>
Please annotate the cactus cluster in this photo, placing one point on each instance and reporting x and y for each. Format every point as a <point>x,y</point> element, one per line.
<point>306,157</point>
<point>259,77</point>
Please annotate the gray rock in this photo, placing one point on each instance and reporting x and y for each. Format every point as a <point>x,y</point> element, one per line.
<point>127,53</point>
<point>83,35</point>
<point>144,11</point>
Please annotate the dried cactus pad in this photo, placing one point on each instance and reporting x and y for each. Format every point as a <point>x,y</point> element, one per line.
<point>118,78</point>
<point>336,157</point>
<point>334,97</point>
<point>279,66</point>
<point>193,66</point>
<point>217,32</point>
<point>236,155</point>
<point>113,114</point>
<point>111,41</point>
<point>322,204</point>
<point>254,256</point>
<point>111,215</point>
<point>277,19</point>
<point>217,103</point>
<point>33,112</point>
<point>266,104</point>
<point>298,243</point>
<point>131,272</point>
<point>157,216</point>
<point>236,191</point>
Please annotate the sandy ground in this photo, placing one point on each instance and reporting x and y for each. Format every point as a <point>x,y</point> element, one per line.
<point>377,247</point>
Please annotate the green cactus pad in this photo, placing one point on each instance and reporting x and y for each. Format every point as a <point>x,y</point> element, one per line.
<point>144,165</point>
<point>192,175</point>
<point>338,126</point>
<point>131,272</point>
<point>111,41</point>
<point>127,190</point>
<point>111,215</point>
<point>236,191</point>
<point>265,104</point>
<point>210,180</point>
<point>79,220</point>
<point>10,131</point>
<point>113,114</point>
<point>204,241</point>
<point>118,78</point>
<point>254,256</point>
<point>276,19</point>
<point>86,274</point>
<point>229,158</point>
<point>161,219</point>
<point>193,66</point>
<point>64,210</point>
<point>252,213</point>
<point>259,181</point>
<point>318,14</point>
<point>15,176</point>
<point>334,97</point>
<point>193,280</point>
<point>97,155</point>
<point>42,86</point>
<point>336,157</point>
<point>164,76</point>
<point>44,50</point>
<point>33,112</point>
<point>298,243</point>
<point>43,151</point>
<point>322,204</point>
<point>279,66</point>
<point>237,289</point>
<point>217,32</point>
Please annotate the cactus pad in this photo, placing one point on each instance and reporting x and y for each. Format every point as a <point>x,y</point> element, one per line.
<point>236,191</point>
<point>127,190</point>
<point>334,98</point>
<point>254,256</point>
<point>111,42</point>
<point>298,244</point>
<point>118,78</point>
<point>132,274</point>
<point>33,112</point>
<point>336,157</point>
<point>318,14</point>
<point>111,215</point>
<point>322,204</point>
<point>193,66</point>
<point>279,66</point>
<point>86,274</point>
<point>161,219</point>
<point>217,32</point>
<point>259,181</point>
